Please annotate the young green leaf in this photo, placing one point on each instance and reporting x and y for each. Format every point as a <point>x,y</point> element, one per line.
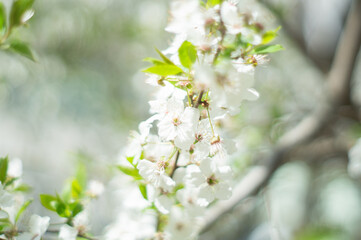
<point>143,191</point>
<point>164,70</point>
<point>23,188</point>
<point>61,208</point>
<point>165,59</point>
<point>212,3</point>
<point>3,168</point>
<point>76,189</point>
<point>153,60</point>
<point>270,35</point>
<point>22,209</point>
<point>187,54</point>
<point>18,9</point>
<point>2,19</point>
<point>48,201</point>
<point>133,172</point>
<point>75,208</point>
<point>264,49</point>
<point>131,160</point>
<point>22,49</point>
<point>81,174</point>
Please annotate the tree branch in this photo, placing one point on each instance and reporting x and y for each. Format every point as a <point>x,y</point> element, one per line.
<point>338,88</point>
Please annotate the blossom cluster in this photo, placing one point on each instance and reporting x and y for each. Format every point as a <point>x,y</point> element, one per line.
<point>16,225</point>
<point>179,156</point>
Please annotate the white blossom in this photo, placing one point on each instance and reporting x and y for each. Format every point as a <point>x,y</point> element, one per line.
<point>67,232</point>
<point>188,197</point>
<point>95,188</point>
<point>130,226</point>
<point>180,225</point>
<point>6,199</point>
<point>81,222</point>
<point>163,201</point>
<point>180,126</point>
<point>15,168</point>
<point>212,181</point>
<point>154,173</point>
<point>187,19</point>
<point>38,226</point>
<point>231,18</point>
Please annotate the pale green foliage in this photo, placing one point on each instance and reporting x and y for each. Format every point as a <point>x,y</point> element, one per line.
<point>187,54</point>
<point>21,11</point>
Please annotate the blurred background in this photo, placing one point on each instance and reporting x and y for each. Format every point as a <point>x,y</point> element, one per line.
<point>85,93</point>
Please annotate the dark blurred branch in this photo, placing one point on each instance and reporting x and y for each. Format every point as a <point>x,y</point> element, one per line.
<point>338,91</point>
<point>296,37</point>
<point>323,148</point>
<point>346,53</point>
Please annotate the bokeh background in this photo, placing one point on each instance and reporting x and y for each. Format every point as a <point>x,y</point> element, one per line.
<point>85,93</point>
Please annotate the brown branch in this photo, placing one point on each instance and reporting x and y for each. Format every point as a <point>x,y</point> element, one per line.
<point>199,100</point>
<point>175,164</point>
<point>345,57</point>
<point>338,87</point>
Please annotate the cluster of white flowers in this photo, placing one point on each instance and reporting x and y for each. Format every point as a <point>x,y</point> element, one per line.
<point>16,225</point>
<point>180,153</point>
<point>13,203</point>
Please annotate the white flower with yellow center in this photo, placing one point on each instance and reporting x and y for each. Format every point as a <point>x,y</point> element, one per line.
<point>212,181</point>
<point>179,125</point>
<point>154,173</point>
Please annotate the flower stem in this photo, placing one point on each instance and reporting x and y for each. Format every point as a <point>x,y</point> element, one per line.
<point>210,121</point>
<point>172,154</point>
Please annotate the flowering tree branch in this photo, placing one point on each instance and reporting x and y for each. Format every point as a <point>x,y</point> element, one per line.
<point>337,93</point>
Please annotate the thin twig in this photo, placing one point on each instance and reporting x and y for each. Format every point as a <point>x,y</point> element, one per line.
<point>199,100</point>
<point>175,164</point>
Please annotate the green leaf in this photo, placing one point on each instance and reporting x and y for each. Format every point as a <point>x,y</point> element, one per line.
<point>133,172</point>
<point>48,201</point>
<point>165,59</point>
<point>75,208</point>
<point>2,19</point>
<point>22,49</point>
<point>153,60</point>
<point>131,160</point>
<point>23,188</point>
<point>66,194</point>
<point>18,9</point>
<point>60,207</point>
<point>264,49</point>
<point>81,175</point>
<point>143,191</point>
<point>164,70</point>
<point>22,209</point>
<point>76,189</point>
<point>212,3</point>
<point>187,54</point>
<point>270,35</point>
<point>3,168</point>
